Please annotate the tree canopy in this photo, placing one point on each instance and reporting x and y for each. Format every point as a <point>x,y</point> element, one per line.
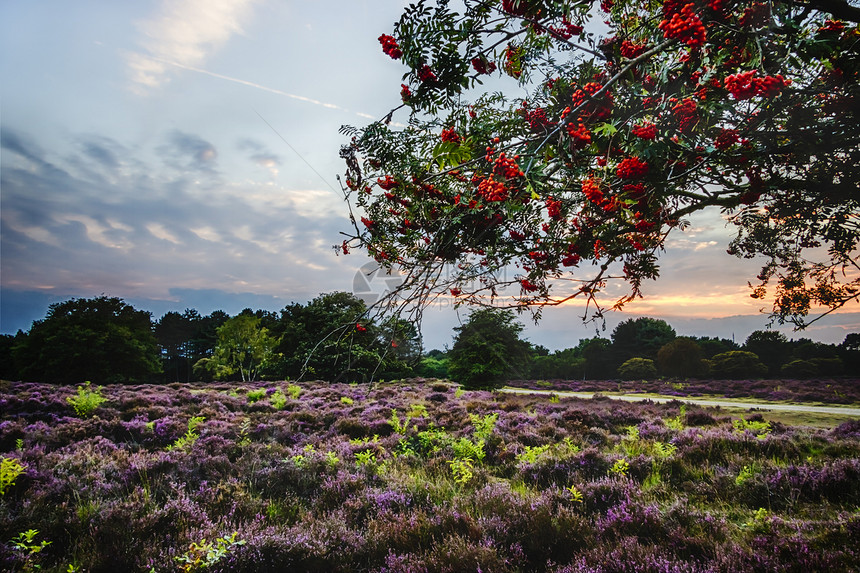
<point>101,339</point>
<point>488,349</point>
<point>498,197</point>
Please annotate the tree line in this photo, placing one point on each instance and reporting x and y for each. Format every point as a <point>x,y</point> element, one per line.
<point>106,340</point>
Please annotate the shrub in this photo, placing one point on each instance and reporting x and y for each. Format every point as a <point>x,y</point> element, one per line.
<point>737,364</point>
<point>637,368</point>
<point>799,369</point>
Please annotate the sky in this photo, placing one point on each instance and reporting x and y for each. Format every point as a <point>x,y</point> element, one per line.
<point>184,154</point>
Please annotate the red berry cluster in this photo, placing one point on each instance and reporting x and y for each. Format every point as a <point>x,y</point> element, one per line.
<point>390,47</point>
<point>483,65</point>
<point>631,168</point>
<point>755,16</point>
<point>685,26</point>
<point>580,135</point>
<point>591,189</point>
<point>528,286</point>
<point>685,113</point>
<point>536,118</point>
<point>631,50</point>
<point>405,93</point>
<point>645,131</point>
<point>553,208</point>
<point>745,85</point>
<point>726,139</point>
<point>513,63</point>
<point>567,31</point>
<point>600,109</point>
<point>426,75</point>
<point>450,135</point>
<point>388,183</point>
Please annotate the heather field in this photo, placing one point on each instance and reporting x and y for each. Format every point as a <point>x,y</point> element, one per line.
<point>411,477</point>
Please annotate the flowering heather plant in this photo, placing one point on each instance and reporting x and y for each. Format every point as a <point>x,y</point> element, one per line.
<point>504,482</point>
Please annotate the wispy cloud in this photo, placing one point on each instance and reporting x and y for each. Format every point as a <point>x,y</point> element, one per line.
<point>266,88</point>
<point>185,33</point>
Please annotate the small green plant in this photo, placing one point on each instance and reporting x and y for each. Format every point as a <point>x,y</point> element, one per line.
<point>25,544</point>
<point>664,450</point>
<point>677,423</point>
<point>294,391</point>
<point>458,393</point>
<point>86,400</point>
<point>346,400</point>
<point>190,436</point>
<point>417,411</point>
<point>620,467</point>
<point>746,474</point>
<point>19,444</point>
<point>485,425</point>
<point>760,429</point>
<point>632,434</point>
<point>462,470</point>
<point>255,395</point>
<point>278,399</point>
<point>399,428</point>
<point>10,469</point>
<point>206,553</point>
<point>554,399</point>
<point>331,459</point>
<point>365,457</point>
<point>575,494</point>
<point>531,454</point>
<point>464,448</point>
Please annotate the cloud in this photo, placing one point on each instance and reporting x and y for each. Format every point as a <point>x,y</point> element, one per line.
<point>185,33</point>
<point>80,226</point>
<point>187,152</point>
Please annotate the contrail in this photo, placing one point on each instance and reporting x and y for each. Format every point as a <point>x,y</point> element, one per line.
<point>261,87</point>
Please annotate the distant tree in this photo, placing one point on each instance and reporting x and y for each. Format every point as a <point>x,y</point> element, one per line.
<point>567,364</point>
<point>849,351</point>
<point>713,346</point>
<point>641,337</point>
<point>681,358</point>
<point>599,358</point>
<point>8,371</point>
<point>101,339</point>
<point>637,369</point>
<point>771,347</point>
<point>243,347</point>
<point>488,349</point>
<point>175,333</point>
<point>737,365</point>
<point>331,338</point>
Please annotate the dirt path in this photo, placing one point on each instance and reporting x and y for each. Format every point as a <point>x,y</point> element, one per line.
<point>843,410</point>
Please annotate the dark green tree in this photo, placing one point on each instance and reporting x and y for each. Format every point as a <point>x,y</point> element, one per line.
<point>331,338</point>
<point>101,339</point>
<point>681,358</point>
<point>175,333</point>
<point>599,358</point>
<point>641,337</point>
<point>713,346</point>
<point>244,347</point>
<point>771,347</point>
<point>488,349</point>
